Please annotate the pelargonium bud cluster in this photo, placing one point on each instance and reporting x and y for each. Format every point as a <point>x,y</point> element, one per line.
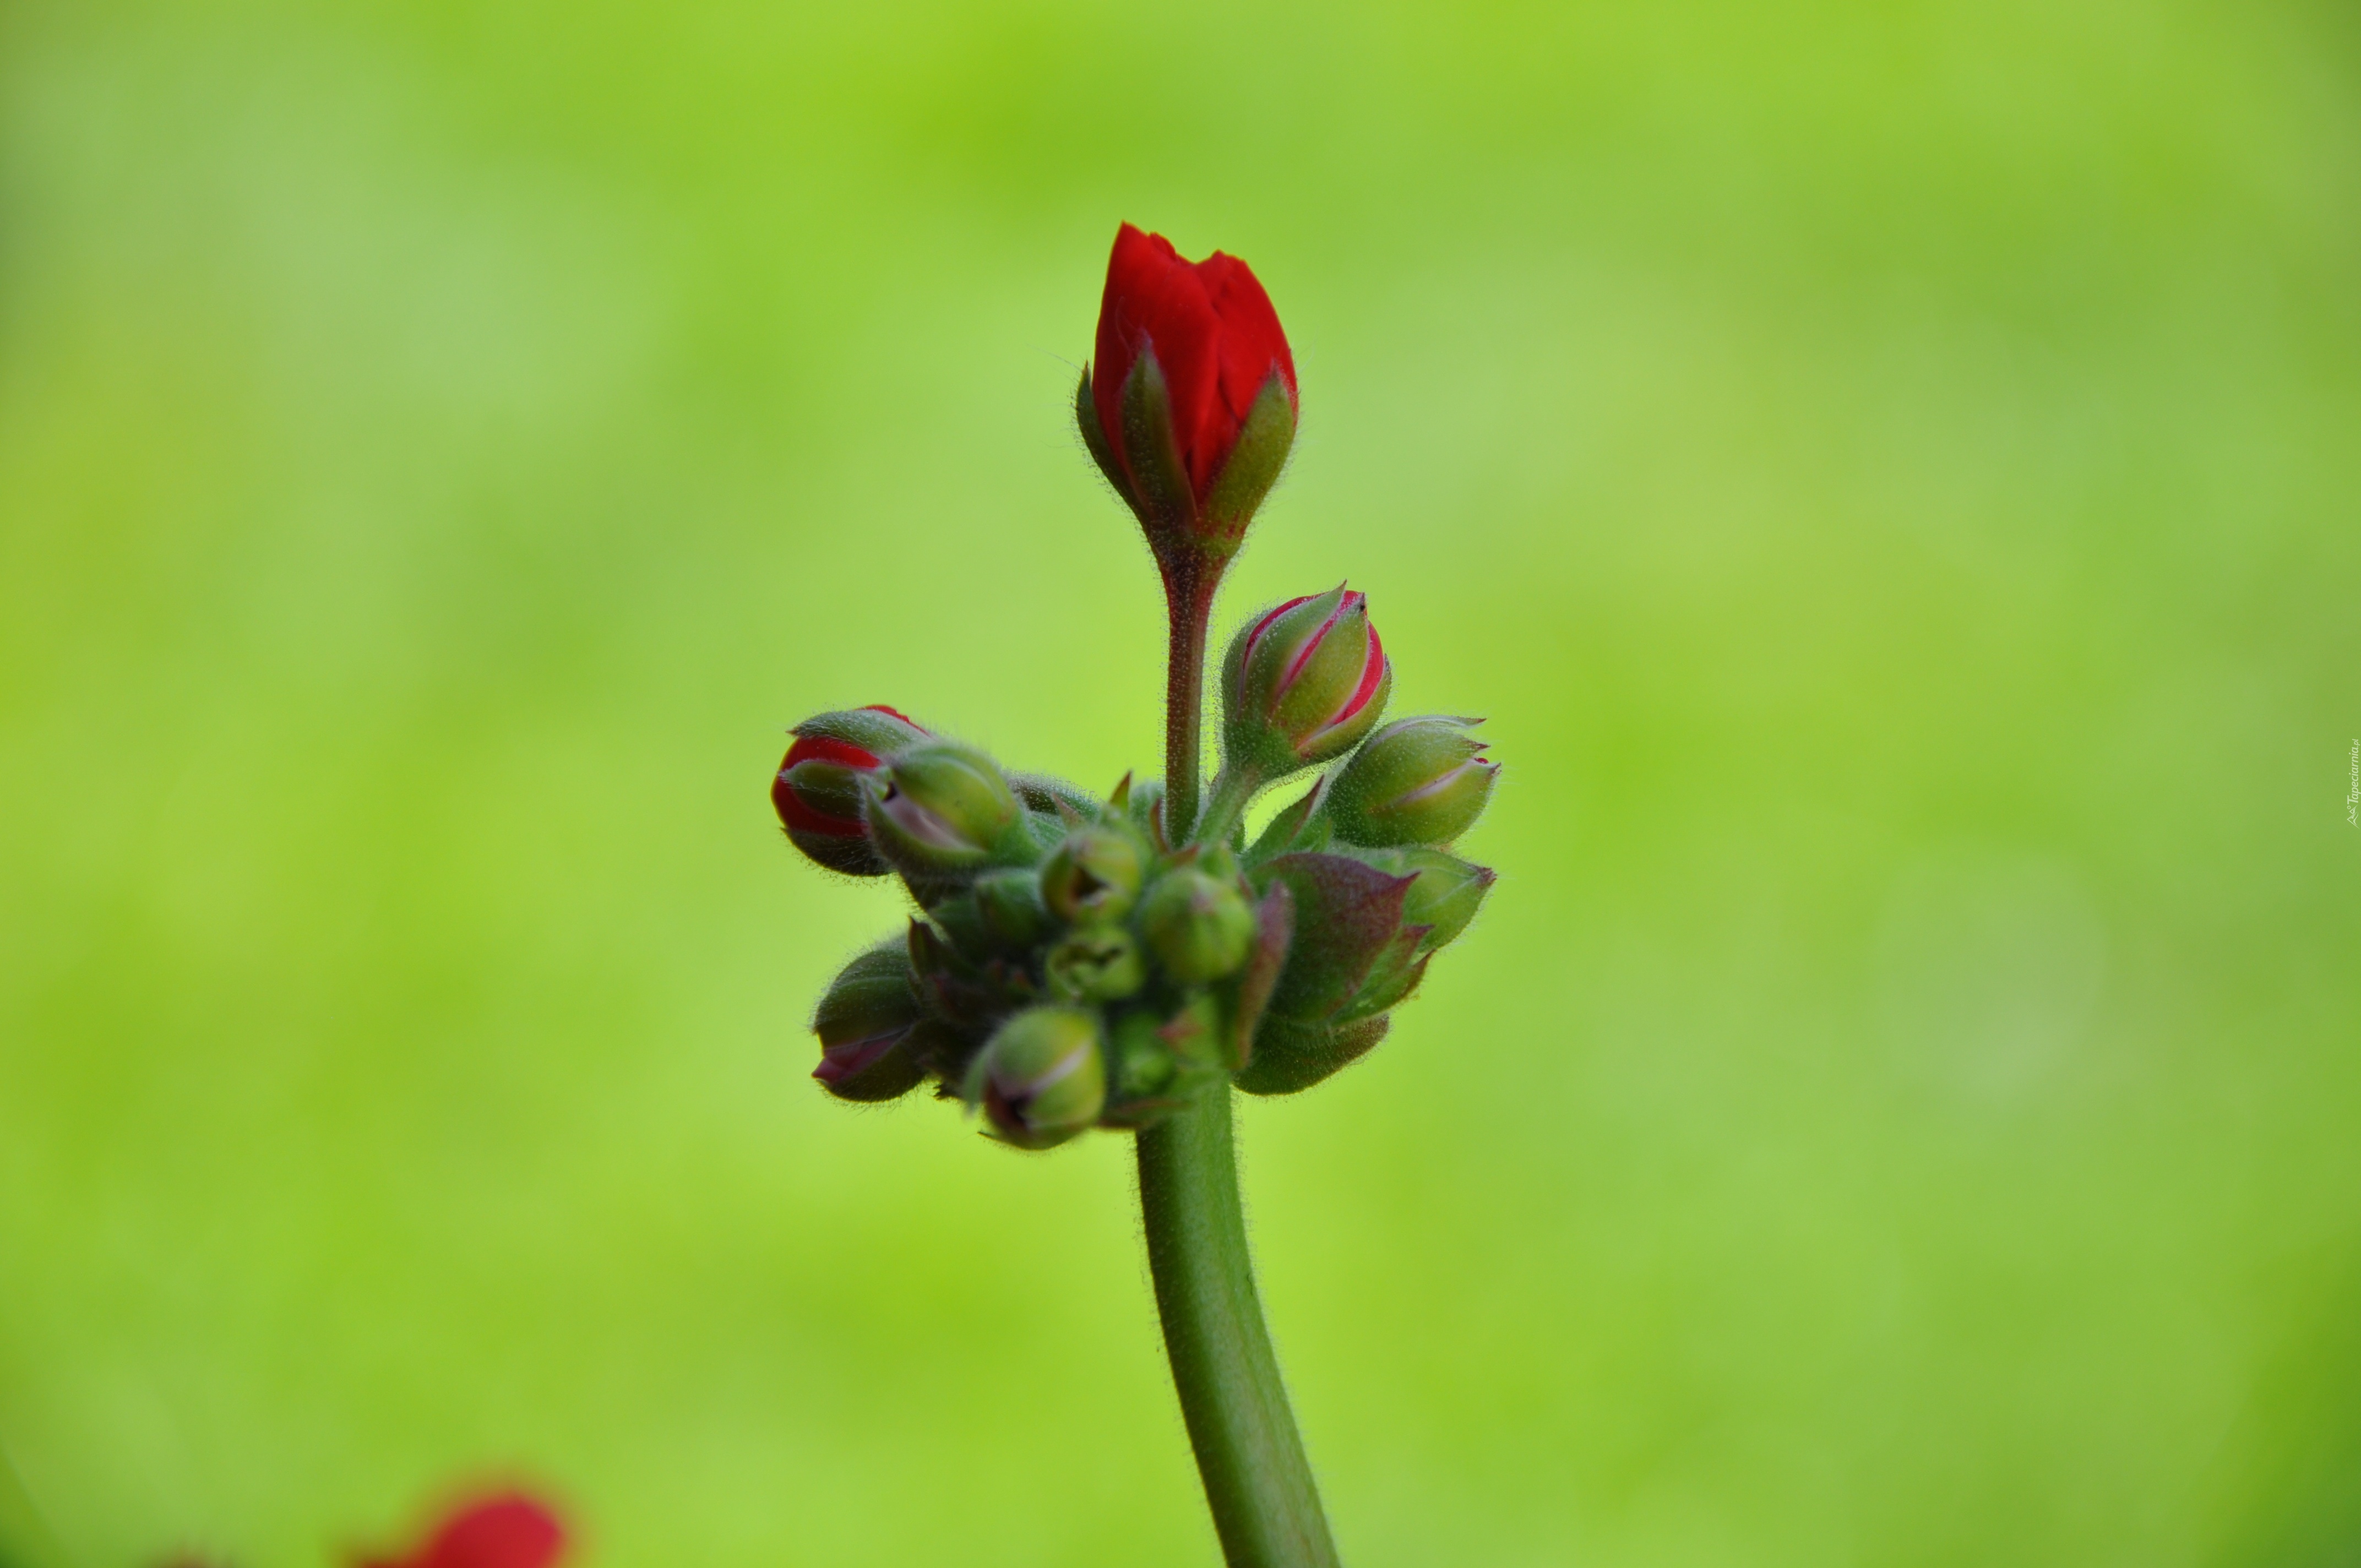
<point>1071,965</point>
<point>1077,961</point>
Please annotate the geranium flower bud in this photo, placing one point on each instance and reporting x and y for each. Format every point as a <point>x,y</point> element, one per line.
<point>817,791</point>
<point>1096,963</point>
<point>1446,895</point>
<point>1042,1076</point>
<point>1093,875</point>
<point>1302,683</point>
<point>941,806</point>
<point>1190,407</point>
<point>864,1024</point>
<point>1009,905</point>
<point>1199,926</point>
<point>1417,780</point>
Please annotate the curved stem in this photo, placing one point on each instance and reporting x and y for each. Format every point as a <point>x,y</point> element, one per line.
<point>1232,790</point>
<point>1265,1507</point>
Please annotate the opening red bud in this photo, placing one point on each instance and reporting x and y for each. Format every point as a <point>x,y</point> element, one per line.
<point>1190,405</point>
<point>817,790</point>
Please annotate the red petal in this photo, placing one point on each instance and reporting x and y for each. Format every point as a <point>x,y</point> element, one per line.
<point>802,817</point>
<point>508,1530</point>
<point>1252,346</point>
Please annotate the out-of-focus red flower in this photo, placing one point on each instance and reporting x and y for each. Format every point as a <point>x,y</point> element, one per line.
<point>507,1529</point>
<point>1217,344</point>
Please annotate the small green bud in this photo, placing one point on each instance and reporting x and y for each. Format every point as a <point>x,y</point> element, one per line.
<point>1144,1064</point>
<point>1046,794</point>
<point>1008,903</point>
<point>1041,1077</point>
<point>864,1022</point>
<point>1143,805</point>
<point>1095,875</point>
<point>941,806</point>
<point>1199,925</point>
<point>1417,780</point>
<point>1096,963</point>
<point>1446,896</point>
<point>1158,1061</point>
<point>1193,1034</point>
<point>1302,683</point>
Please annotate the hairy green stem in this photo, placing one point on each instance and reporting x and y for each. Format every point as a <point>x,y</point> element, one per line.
<point>1257,1483</point>
<point>1265,1507</point>
<point>1189,587</point>
<point>1232,790</point>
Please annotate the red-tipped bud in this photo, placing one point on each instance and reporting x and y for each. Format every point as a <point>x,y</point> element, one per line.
<point>1417,780</point>
<point>1190,408</point>
<point>865,1024</point>
<point>817,791</point>
<point>1303,683</point>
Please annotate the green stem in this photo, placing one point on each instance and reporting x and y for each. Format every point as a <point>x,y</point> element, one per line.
<point>1265,1507</point>
<point>1189,584</point>
<point>1232,790</point>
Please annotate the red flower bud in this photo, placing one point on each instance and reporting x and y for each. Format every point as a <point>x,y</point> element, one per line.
<point>510,1530</point>
<point>1190,405</point>
<point>817,792</point>
<point>1302,683</point>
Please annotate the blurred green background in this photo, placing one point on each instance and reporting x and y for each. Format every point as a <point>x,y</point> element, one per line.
<point>1887,470</point>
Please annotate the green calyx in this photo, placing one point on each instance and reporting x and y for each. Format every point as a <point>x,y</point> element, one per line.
<point>1251,469</point>
<point>1417,780</point>
<point>1041,1077</point>
<point>1093,875</point>
<point>1445,892</point>
<point>864,1022</point>
<point>1096,963</point>
<point>1199,925</point>
<point>941,806</point>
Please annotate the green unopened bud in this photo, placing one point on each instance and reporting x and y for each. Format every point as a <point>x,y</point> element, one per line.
<point>1144,1064</point>
<point>1008,905</point>
<point>1446,896</point>
<point>1159,1059</point>
<point>1143,805</point>
<point>941,806</point>
<point>1095,875</point>
<point>864,1024</point>
<point>1302,683</point>
<point>1417,780</point>
<point>1041,1077</point>
<point>1199,926</point>
<point>1399,968</point>
<point>1096,963</point>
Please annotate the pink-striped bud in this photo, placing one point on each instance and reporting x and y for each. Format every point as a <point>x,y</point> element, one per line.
<point>1303,683</point>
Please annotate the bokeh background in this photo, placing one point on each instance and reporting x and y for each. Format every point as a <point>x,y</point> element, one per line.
<point>1888,471</point>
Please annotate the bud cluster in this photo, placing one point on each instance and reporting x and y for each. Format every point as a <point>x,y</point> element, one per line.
<point>1075,961</point>
<point>1071,965</point>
